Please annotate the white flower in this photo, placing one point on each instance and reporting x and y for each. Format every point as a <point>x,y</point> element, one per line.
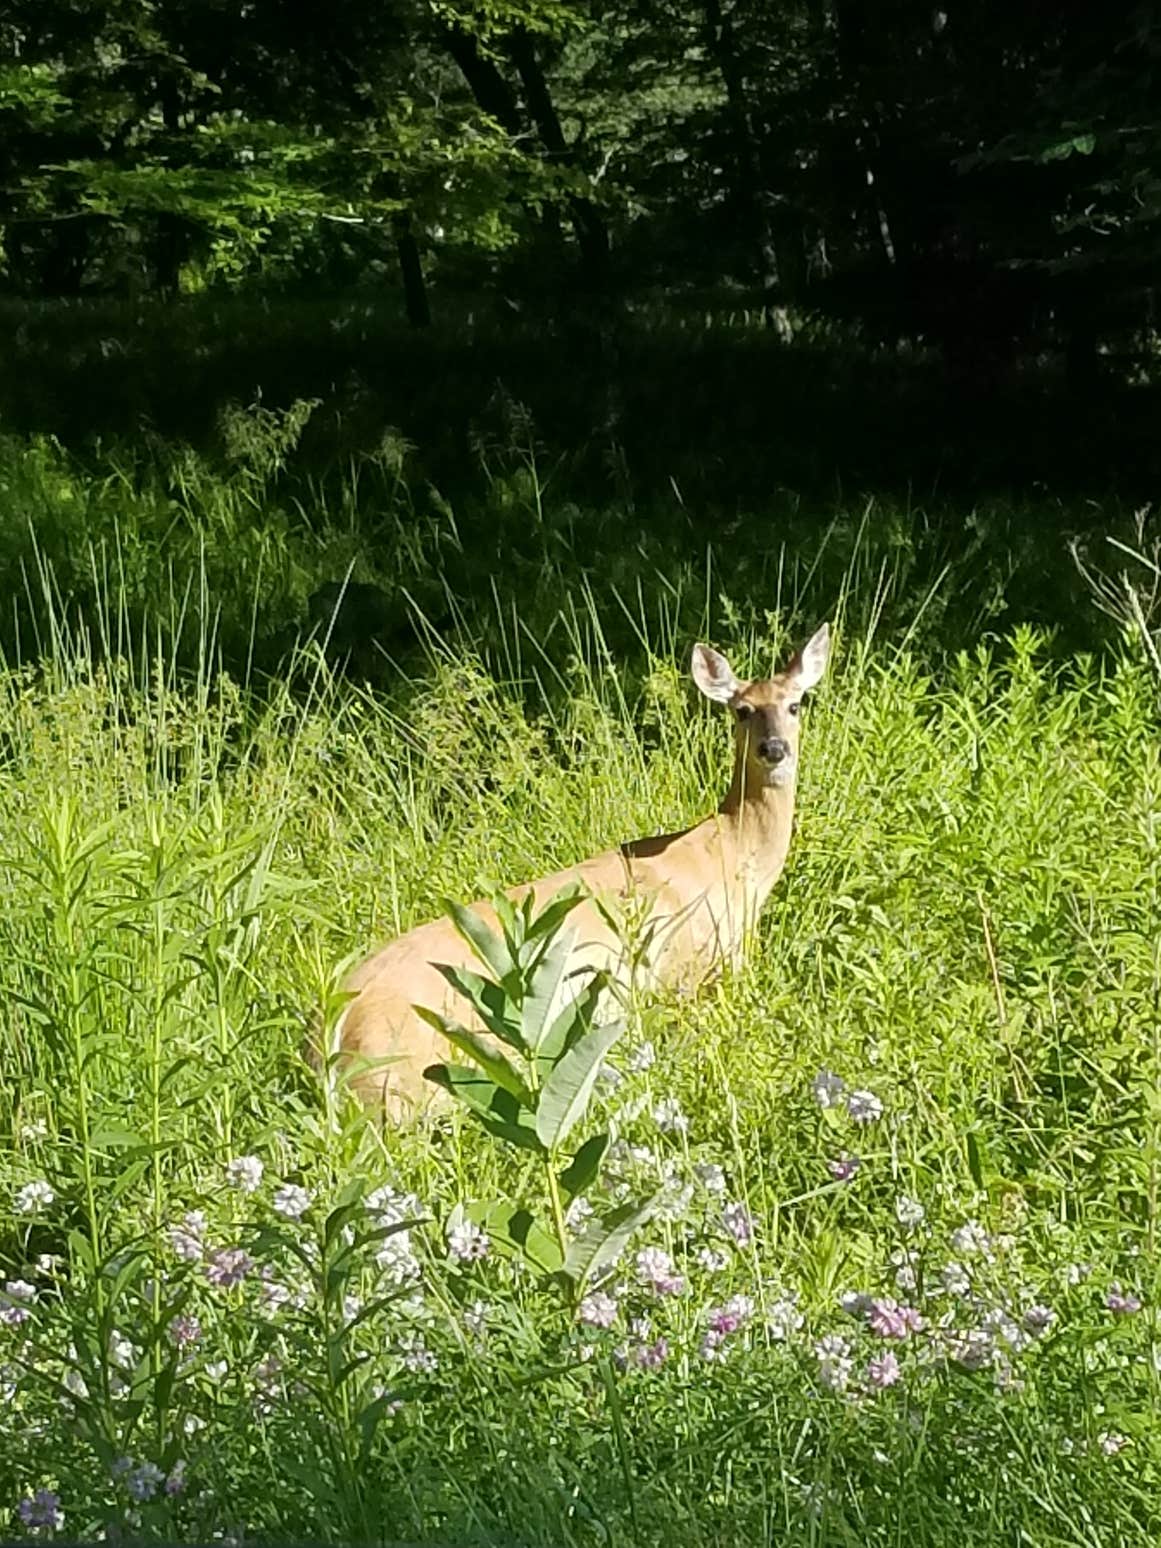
<point>828,1088</point>
<point>712,1259</point>
<point>597,1310</point>
<point>641,1059</point>
<point>655,1269</point>
<point>711,1176</point>
<point>909,1212</point>
<point>215,1369</point>
<point>467,1243</point>
<point>391,1207</point>
<point>970,1238</point>
<point>395,1257</point>
<point>669,1118</point>
<point>292,1201</point>
<point>1038,1319</point>
<point>783,1317</point>
<point>188,1238</point>
<point>476,1318</point>
<point>956,1279</point>
<point>142,1483</point>
<point>864,1106</point>
<point>906,1277</point>
<point>1110,1442</point>
<point>834,1362</point>
<point>578,1214</point>
<point>33,1197</point>
<point>245,1173</point>
<point>416,1356</point>
<point>856,1303</point>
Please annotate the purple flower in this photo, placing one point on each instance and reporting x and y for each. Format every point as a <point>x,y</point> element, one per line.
<point>1038,1319</point>
<point>1120,1303</point>
<point>188,1238</point>
<point>142,1483</point>
<point>727,1319</point>
<point>651,1357</point>
<point>655,1269</point>
<point>228,1266</point>
<point>890,1320</point>
<point>844,1168</point>
<point>883,1370</point>
<point>41,1510</point>
<point>15,1299</point>
<point>184,1331</point>
<point>736,1220</point>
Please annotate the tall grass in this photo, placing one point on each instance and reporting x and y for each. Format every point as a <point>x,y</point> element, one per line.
<point>968,936</point>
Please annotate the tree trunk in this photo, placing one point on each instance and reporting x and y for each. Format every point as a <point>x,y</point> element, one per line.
<point>411,271</point>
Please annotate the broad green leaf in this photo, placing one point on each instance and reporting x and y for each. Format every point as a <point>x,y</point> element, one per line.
<point>486,944</point>
<point>555,911</point>
<point>605,1240</point>
<point>517,1229</point>
<point>491,1060</point>
<point>543,986</point>
<point>584,1166</point>
<point>567,1090</point>
<point>496,1109</point>
<point>575,1018</point>
<point>489,1000</point>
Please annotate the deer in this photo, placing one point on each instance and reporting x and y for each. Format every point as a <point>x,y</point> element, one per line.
<point>699,893</point>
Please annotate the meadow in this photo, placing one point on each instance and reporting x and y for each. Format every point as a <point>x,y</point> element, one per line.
<point>901,1283</point>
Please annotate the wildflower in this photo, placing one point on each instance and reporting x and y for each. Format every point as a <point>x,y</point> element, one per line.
<point>828,1088</point>
<point>30,1200</point>
<point>676,1197</point>
<point>215,1369</point>
<point>909,1212</point>
<point>41,1510</point>
<point>392,1208</point>
<point>597,1310</point>
<point>1120,1303</point>
<point>188,1238</point>
<point>843,1168</point>
<point>970,1239</point>
<point>711,1260</point>
<point>651,1357</point>
<point>1038,1319</point>
<point>395,1257</point>
<point>641,1059</point>
<point>184,1331</point>
<point>142,1483</point>
<point>272,1295</point>
<point>734,1315</point>
<point>1110,1442</point>
<point>955,1279</point>
<point>973,1349</point>
<point>864,1106</point>
<point>245,1173</point>
<point>890,1320</point>
<point>175,1482</point>
<point>783,1317</point>
<point>228,1266</point>
<point>906,1278</point>
<point>123,1353</point>
<point>578,1214</point>
<point>736,1219</point>
<point>466,1243</point>
<point>655,1269</point>
<point>1077,1273</point>
<point>711,1176</point>
<point>669,1118</point>
<point>834,1362</point>
<point>292,1201</point>
<point>416,1356</point>
<point>883,1370</point>
<point>17,1296</point>
<point>476,1318</point>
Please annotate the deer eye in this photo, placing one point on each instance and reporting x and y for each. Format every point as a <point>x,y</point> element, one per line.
<point>793,709</point>
<point>745,711</point>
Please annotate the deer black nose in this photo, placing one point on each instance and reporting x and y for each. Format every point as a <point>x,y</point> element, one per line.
<point>773,749</point>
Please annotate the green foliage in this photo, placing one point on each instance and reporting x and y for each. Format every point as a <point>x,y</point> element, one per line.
<point>536,1101</point>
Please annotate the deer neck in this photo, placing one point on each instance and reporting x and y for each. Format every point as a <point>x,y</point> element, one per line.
<point>759,819</point>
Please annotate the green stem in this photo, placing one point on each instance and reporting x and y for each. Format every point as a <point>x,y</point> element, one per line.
<point>557,1206</point>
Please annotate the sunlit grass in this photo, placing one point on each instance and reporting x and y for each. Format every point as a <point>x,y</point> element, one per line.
<point>968,932</point>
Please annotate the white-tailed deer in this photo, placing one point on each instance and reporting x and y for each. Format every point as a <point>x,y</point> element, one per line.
<point>698,894</point>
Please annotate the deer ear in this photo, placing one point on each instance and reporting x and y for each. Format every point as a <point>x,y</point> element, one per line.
<point>713,674</point>
<point>810,662</point>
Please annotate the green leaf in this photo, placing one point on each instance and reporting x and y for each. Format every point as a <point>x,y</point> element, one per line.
<point>497,1109</point>
<point>517,1229</point>
<point>574,1019</point>
<point>567,1090</point>
<point>543,986</point>
<point>604,1241</point>
<point>490,1059</point>
<point>488,999</point>
<point>555,911</point>
<point>585,1165</point>
<point>486,944</point>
